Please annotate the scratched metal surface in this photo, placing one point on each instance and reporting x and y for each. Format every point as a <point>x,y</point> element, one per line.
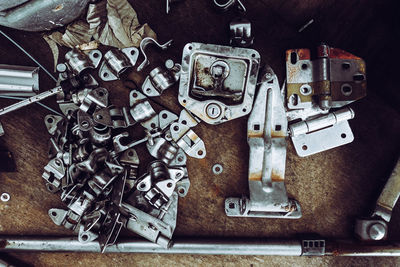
<point>332,187</point>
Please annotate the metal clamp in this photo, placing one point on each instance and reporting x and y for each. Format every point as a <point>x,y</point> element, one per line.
<point>266,132</point>
<point>79,61</point>
<point>117,62</point>
<point>161,78</point>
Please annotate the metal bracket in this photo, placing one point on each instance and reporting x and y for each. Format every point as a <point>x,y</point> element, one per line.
<point>146,42</point>
<point>266,132</point>
<point>240,30</point>
<point>186,138</point>
<point>117,62</point>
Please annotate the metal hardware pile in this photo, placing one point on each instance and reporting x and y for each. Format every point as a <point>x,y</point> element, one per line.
<point>95,169</point>
<point>94,165</point>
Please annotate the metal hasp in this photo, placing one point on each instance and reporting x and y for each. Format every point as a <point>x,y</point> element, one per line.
<point>218,83</point>
<point>146,42</point>
<point>375,227</point>
<point>322,133</point>
<point>117,62</point>
<point>224,5</point>
<point>39,15</point>
<point>19,80</point>
<point>240,30</point>
<point>161,78</point>
<point>334,79</point>
<point>266,136</point>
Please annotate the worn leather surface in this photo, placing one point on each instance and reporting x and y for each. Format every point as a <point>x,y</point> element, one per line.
<point>333,187</point>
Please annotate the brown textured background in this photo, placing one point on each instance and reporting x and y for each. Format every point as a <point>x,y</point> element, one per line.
<point>333,187</point>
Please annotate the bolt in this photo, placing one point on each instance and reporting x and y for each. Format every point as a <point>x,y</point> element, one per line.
<point>213,111</point>
<point>61,67</point>
<point>169,64</point>
<point>377,231</point>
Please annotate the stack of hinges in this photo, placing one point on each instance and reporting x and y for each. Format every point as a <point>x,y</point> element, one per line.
<point>334,79</point>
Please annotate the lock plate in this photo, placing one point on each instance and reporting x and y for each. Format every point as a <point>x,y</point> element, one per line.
<point>218,82</point>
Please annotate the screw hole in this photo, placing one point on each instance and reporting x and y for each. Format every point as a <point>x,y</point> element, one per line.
<point>200,152</point>
<point>304,147</point>
<point>358,77</point>
<point>96,55</point>
<point>345,65</point>
<point>293,58</point>
<point>164,116</point>
<point>50,120</point>
<point>84,237</point>
<point>176,128</point>
<point>343,135</point>
<point>304,66</point>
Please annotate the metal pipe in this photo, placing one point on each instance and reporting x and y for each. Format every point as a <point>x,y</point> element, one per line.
<point>199,246</point>
<point>360,249</point>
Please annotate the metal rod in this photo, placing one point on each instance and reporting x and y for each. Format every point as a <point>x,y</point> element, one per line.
<point>199,246</point>
<point>180,246</point>
<point>370,249</point>
<point>31,100</point>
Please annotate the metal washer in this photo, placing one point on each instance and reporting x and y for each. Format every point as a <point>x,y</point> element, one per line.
<point>5,197</point>
<point>217,169</point>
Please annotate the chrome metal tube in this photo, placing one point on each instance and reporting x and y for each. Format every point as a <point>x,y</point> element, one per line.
<point>18,80</point>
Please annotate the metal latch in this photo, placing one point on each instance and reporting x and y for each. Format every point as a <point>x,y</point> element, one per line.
<point>218,82</point>
<point>266,136</point>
